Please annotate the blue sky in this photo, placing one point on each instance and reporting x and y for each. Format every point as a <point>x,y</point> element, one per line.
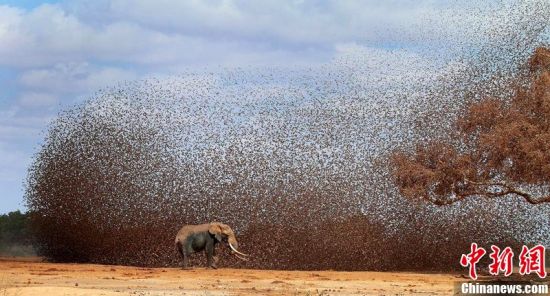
<point>55,54</point>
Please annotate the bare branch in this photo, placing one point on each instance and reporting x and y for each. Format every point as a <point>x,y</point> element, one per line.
<point>506,189</point>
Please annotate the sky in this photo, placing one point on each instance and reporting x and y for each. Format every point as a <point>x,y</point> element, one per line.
<point>54,54</point>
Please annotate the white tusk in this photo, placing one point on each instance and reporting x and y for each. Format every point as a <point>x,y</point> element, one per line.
<point>242,258</point>
<point>235,250</point>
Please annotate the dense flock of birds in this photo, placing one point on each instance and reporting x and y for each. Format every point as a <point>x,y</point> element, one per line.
<point>286,156</point>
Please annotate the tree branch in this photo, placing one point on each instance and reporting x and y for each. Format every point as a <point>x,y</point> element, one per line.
<point>505,190</point>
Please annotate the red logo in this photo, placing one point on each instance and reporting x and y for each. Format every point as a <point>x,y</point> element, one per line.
<point>472,258</point>
<point>502,261</point>
<point>530,260</point>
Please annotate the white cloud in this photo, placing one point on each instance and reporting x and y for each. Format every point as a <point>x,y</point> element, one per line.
<point>40,36</point>
<point>206,32</point>
<point>18,122</point>
<point>10,133</point>
<point>37,100</point>
<point>70,78</point>
<point>158,34</point>
<point>301,22</point>
<point>12,160</point>
<point>50,35</point>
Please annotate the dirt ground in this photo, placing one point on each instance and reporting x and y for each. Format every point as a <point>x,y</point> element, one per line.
<point>20,277</point>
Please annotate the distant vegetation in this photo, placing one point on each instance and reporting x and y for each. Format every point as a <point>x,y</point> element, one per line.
<point>15,234</point>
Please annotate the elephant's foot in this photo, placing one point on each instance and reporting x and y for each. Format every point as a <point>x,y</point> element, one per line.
<point>214,262</point>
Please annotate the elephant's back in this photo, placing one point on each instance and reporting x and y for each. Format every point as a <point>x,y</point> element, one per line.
<point>188,230</point>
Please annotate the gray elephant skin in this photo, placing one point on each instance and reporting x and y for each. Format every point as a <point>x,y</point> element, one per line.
<point>204,237</point>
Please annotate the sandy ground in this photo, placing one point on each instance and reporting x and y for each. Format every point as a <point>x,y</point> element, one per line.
<point>28,277</point>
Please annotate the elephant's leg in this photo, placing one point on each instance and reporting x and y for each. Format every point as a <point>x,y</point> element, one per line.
<point>183,255</point>
<point>215,258</point>
<point>209,250</point>
<point>185,261</point>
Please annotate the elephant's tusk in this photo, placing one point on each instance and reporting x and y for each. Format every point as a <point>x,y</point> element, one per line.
<point>235,250</point>
<point>242,258</point>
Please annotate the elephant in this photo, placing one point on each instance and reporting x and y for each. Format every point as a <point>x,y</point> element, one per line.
<point>195,238</point>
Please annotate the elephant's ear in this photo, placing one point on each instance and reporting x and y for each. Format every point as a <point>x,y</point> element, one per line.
<point>216,230</point>
<point>226,229</point>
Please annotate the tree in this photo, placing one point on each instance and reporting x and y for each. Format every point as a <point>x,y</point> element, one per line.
<point>14,229</point>
<point>503,148</point>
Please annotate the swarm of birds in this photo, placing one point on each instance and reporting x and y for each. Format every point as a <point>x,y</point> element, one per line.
<point>295,160</point>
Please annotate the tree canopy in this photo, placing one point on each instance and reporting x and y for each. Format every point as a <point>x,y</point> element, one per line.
<point>503,148</point>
